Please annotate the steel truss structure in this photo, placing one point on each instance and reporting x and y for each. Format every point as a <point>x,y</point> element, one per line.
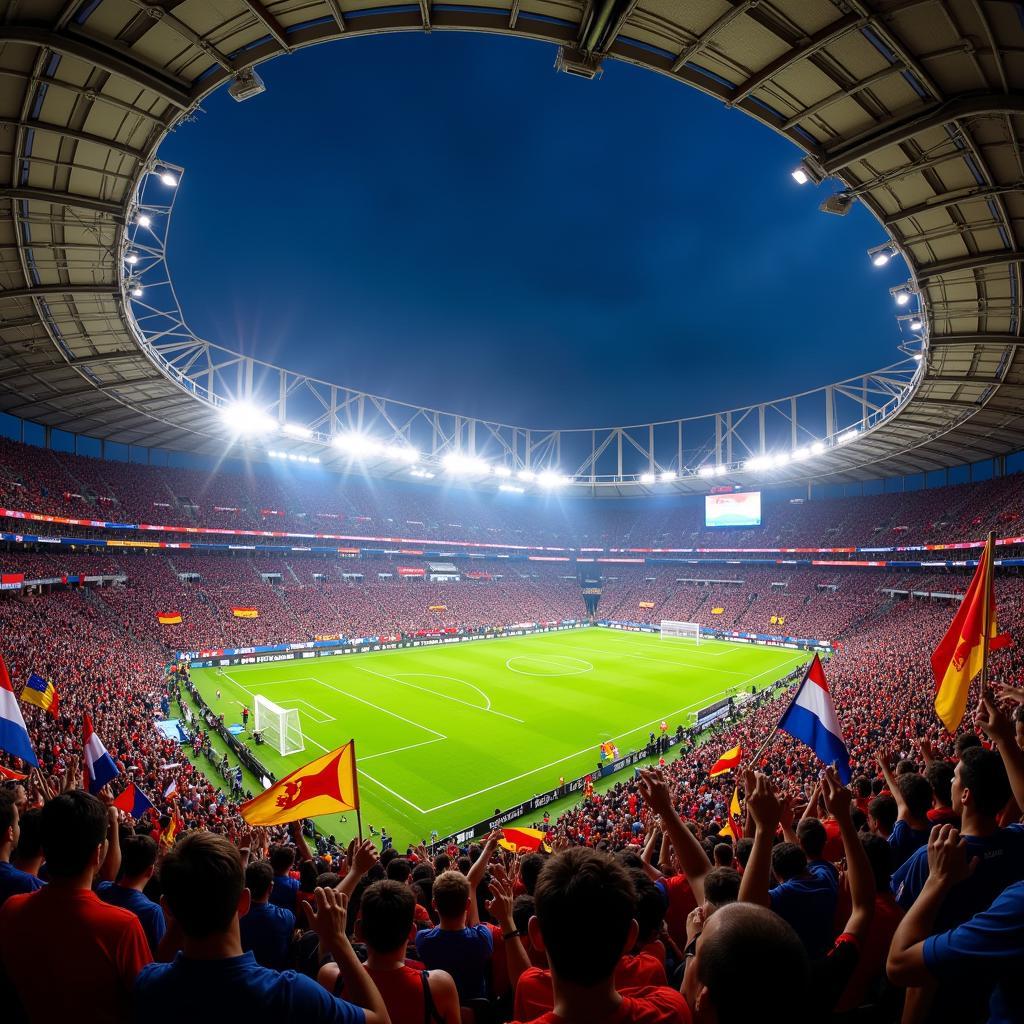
<point>914,109</point>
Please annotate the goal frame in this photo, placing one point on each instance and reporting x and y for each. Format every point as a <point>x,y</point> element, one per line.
<point>670,629</point>
<point>285,732</point>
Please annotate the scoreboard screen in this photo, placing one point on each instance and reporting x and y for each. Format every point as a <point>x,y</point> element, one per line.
<point>738,508</point>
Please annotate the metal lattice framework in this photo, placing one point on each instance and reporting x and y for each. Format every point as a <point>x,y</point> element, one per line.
<point>912,106</point>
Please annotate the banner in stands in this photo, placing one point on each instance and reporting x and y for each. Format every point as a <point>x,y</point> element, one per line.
<point>245,613</point>
<point>765,639</point>
<point>12,580</point>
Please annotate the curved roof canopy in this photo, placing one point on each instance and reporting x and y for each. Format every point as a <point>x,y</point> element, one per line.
<point>915,108</point>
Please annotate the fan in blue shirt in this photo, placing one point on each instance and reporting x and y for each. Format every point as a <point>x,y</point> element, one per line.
<point>805,897</point>
<point>138,859</point>
<point>266,930</point>
<point>204,891</point>
<point>12,881</point>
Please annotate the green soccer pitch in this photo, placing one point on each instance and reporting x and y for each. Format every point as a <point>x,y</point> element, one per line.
<point>446,734</point>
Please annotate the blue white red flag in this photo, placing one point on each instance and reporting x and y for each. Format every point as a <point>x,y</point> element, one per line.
<point>811,718</point>
<point>99,765</point>
<point>13,734</point>
<point>133,801</point>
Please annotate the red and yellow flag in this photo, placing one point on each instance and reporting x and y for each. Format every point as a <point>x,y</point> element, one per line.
<point>324,786</point>
<point>732,825</point>
<point>958,658</point>
<point>245,613</point>
<point>519,839</point>
<point>729,760</point>
<point>11,774</point>
<point>168,618</point>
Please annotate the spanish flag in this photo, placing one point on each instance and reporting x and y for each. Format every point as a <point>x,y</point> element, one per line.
<point>245,613</point>
<point>517,840</point>
<point>732,825</point>
<point>11,774</point>
<point>168,618</point>
<point>324,786</point>
<point>41,693</point>
<point>170,833</point>
<point>729,760</point>
<point>958,658</point>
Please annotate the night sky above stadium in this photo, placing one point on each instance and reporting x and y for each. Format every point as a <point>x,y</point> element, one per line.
<point>445,220</point>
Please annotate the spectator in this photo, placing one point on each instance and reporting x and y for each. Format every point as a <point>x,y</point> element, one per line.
<point>205,894</point>
<point>64,952</point>
<point>12,880</point>
<point>266,930</point>
<point>138,861</point>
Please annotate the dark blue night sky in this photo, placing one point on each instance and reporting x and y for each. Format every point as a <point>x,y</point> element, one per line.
<point>446,220</point>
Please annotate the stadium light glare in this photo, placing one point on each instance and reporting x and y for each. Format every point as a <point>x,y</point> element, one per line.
<point>511,488</point>
<point>799,454</point>
<point>780,459</point>
<point>666,477</point>
<point>817,448</point>
<point>168,178</point>
<point>719,470</point>
<point>135,287</point>
<point>401,453</point>
<point>245,418</point>
<point>144,220</point>
<point>527,475</point>
<point>297,430</point>
<point>550,478</point>
<point>131,259</point>
<point>647,478</point>
<point>706,470</point>
<point>847,436</point>
<point>757,462</point>
<point>916,324</point>
<point>356,445</point>
<point>918,357</point>
<point>503,472</point>
<point>800,176</point>
<point>881,254</point>
<point>421,474</point>
<point>464,465</point>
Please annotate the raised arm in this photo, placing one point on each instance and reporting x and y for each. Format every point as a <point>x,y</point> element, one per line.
<point>882,757</point>
<point>764,807</point>
<point>690,854</point>
<point>364,856</point>
<point>476,873</point>
<point>500,907</point>
<point>838,800</point>
<point>112,861</point>
<point>299,839</point>
<point>1000,731</point>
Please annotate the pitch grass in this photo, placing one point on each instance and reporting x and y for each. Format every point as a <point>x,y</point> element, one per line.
<point>447,734</point>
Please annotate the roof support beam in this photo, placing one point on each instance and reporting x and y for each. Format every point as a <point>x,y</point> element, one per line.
<point>68,199</point>
<point>274,27</point>
<point>71,133</point>
<point>104,357</point>
<point>950,378</point>
<point>821,39</point>
<point>902,129</point>
<point>621,18</point>
<point>851,90</point>
<point>694,48</point>
<point>975,261</point>
<point>105,56</point>
<point>49,290</point>
<point>335,8</point>
<point>944,340</point>
<point>947,199</point>
<point>513,13</point>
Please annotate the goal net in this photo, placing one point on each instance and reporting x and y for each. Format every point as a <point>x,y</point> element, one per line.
<point>671,630</point>
<point>280,726</point>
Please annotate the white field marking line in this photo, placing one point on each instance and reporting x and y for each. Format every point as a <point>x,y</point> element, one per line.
<point>548,661</point>
<point>665,661</point>
<point>398,750</point>
<point>704,643</point>
<point>309,714</point>
<point>444,696</point>
<point>377,707</point>
<point>387,789</point>
<point>704,701</point>
<point>454,679</point>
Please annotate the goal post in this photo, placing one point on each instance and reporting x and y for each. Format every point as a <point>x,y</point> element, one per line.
<point>672,630</point>
<point>279,726</point>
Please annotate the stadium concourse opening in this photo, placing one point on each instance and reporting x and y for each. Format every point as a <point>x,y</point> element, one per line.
<point>320,704</point>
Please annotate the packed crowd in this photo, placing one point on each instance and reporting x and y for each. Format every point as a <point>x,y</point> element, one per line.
<point>302,501</point>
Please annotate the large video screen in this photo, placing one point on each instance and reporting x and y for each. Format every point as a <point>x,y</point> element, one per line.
<point>740,508</point>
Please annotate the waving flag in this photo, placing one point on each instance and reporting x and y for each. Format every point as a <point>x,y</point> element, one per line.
<point>99,765</point>
<point>732,823</point>
<point>811,718</point>
<point>13,734</point>
<point>729,760</point>
<point>42,694</point>
<point>324,786</point>
<point>133,801</point>
<point>11,775</point>
<point>957,659</point>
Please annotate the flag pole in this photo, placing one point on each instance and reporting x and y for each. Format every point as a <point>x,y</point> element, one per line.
<point>989,557</point>
<point>355,783</point>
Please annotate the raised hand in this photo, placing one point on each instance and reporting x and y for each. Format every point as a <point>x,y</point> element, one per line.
<point>838,799</point>
<point>327,917</point>
<point>364,857</point>
<point>947,857</point>
<point>655,791</point>
<point>500,904</point>
<point>762,803</point>
<point>996,726</point>
<point>1004,691</point>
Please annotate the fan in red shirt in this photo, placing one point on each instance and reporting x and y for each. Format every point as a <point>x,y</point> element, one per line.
<point>585,902</point>
<point>97,950</point>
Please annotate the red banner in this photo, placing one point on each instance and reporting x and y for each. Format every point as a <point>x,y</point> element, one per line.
<point>406,570</point>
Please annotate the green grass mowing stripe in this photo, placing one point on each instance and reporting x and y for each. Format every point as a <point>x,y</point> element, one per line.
<point>514,713</point>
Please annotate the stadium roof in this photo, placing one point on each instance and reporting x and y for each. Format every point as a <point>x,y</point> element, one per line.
<point>915,107</point>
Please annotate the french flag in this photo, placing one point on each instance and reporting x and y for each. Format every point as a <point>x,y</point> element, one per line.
<point>811,718</point>
<point>13,734</point>
<point>99,765</point>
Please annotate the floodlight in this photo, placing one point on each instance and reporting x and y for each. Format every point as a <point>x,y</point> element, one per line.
<point>808,170</point>
<point>817,448</point>
<point>916,324</point>
<point>757,462</point>
<point>144,220</point>
<point>719,470</point>
<point>550,478</point>
<point>918,357</point>
<point>502,471</point>
<point>780,459</point>
<point>847,436</point>
<point>881,254</point>
<point>647,478</point>
<point>297,430</point>
<point>799,454</point>
<point>135,287</point>
<point>706,470</point>
<point>511,489</point>
<point>666,477</point>
<point>245,418</point>
<point>902,298</point>
<point>132,258</point>
<point>168,178</point>
<point>422,474</point>
<point>464,465</point>
<point>401,453</point>
<point>800,176</point>
<point>315,459</point>
<point>527,475</point>
<point>357,445</point>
